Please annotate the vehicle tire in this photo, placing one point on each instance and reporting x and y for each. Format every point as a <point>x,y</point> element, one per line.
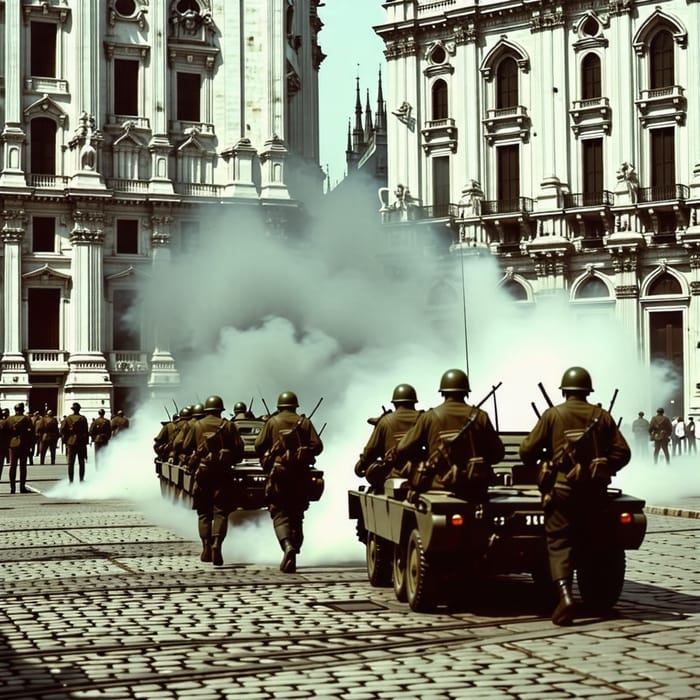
<point>398,572</point>
<point>600,577</point>
<point>421,583</point>
<point>379,560</point>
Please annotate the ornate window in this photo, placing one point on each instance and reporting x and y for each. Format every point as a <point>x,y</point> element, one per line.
<point>440,102</point>
<point>661,61</point>
<point>507,84</point>
<point>42,138</point>
<point>664,284</point>
<point>590,77</point>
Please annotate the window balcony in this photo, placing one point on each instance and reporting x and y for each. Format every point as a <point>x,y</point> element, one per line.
<point>202,128</point>
<point>128,361</point>
<point>506,122</point>
<point>48,182</point>
<point>195,189</point>
<point>416,212</point>
<point>439,133</point>
<point>120,119</point>
<point>662,105</point>
<point>49,86</point>
<point>47,360</point>
<point>517,205</point>
<point>589,116</point>
<point>581,200</point>
<point>663,193</point>
<point>132,186</point>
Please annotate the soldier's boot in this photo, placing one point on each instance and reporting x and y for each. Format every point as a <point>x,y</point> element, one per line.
<point>216,557</point>
<point>206,550</point>
<point>289,559</point>
<point>22,480</point>
<point>564,612</point>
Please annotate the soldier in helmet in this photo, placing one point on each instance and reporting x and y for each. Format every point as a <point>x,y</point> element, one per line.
<point>241,412</point>
<point>75,433</point>
<point>453,444</point>
<point>216,446</point>
<point>49,437</point>
<point>578,448</point>
<point>185,423</point>
<point>660,430</point>
<point>100,433</point>
<point>378,457</point>
<point>163,441</point>
<point>21,431</point>
<point>118,423</point>
<point>287,446</point>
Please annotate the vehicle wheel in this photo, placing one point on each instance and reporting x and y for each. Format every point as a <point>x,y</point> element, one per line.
<point>600,577</point>
<point>378,551</point>
<point>398,572</point>
<point>420,576</point>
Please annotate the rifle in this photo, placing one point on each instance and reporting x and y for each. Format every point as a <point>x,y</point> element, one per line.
<point>534,408</point>
<point>375,419</point>
<point>177,410</point>
<point>165,408</point>
<point>250,405</point>
<point>267,408</point>
<point>612,402</point>
<point>545,394</point>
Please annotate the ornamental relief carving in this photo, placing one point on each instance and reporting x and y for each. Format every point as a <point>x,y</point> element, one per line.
<point>627,291</point>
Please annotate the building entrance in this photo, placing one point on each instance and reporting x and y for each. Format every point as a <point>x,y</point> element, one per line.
<point>666,349</point>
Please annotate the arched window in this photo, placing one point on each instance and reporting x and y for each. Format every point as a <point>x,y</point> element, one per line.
<point>665,284</point>
<point>590,77</point>
<point>507,84</point>
<point>661,60</point>
<point>592,288</point>
<point>43,146</point>
<point>514,290</point>
<point>440,110</point>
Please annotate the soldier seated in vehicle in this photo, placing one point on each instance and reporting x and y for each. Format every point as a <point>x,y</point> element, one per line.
<point>453,445</point>
<point>378,460</point>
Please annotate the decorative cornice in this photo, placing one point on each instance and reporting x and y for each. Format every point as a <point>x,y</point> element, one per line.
<point>547,19</point>
<point>695,289</point>
<point>624,261</point>
<point>88,227</point>
<point>14,222</point>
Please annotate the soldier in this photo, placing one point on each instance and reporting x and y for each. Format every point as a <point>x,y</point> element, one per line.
<point>578,447</point>
<point>21,431</point>
<point>100,433</point>
<point>377,461</point>
<point>75,435</point>
<point>660,429</point>
<point>176,453</point>
<point>453,444</point>
<point>163,441</point>
<point>215,446</point>
<point>640,429</point>
<point>287,446</point>
<point>119,422</point>
<point>241,412</point>
<point>48,437</point>
<point>4,439</point>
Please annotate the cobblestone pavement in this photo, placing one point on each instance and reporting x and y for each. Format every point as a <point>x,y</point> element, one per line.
<point>99,602</point>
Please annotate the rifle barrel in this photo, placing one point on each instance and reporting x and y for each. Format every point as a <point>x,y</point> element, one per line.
<point>318,403</point>
<point>612,402</point>
<point>534,408</point>
<point>486,398</point>
<point>545,394</point>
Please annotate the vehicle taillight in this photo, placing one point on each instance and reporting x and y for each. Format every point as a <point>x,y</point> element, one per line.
<point>456,520</point>
<point>625,518</point>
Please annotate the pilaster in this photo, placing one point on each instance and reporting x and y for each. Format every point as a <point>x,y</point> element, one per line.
<point>239,181</point>
<point>272,161</point>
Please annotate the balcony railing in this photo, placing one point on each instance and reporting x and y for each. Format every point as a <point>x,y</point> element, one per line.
<point>421,213</point>
<point>507,206</point>
<point>120,185</point>
<point>439,211</point>
<point>51,360</point>
<point>128,361</point>
<point>198,189</point>
<point>51,182</point>
<point>604,198</point>
<point>663,193</point>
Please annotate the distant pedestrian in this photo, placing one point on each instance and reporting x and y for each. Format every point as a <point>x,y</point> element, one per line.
<point>640,429</point>
<point>678,435</point>
<point>690,435</point>
<point>660,430</point>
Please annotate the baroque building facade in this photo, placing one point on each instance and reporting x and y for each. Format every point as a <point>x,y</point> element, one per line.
<point>564,140</point>
<point>124,123</point>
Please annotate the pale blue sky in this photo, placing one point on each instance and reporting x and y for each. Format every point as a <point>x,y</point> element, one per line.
<point>347,39</point>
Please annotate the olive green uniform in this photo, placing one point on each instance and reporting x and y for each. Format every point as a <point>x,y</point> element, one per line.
<point>573,507</point>
<point>47,432</point>
<point>4,442</point>
<point>75,434</point>
<point>100,434</point>
<point>660,430</point>
<point>21,431</point>
<point>213,490</point>
<point>289,482</point>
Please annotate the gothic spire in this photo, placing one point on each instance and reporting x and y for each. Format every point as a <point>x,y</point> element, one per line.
<point>369,128</point>
<point>380,115</point>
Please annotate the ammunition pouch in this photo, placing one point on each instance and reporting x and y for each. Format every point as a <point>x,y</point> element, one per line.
<point>474,476</point>
<point>546,476</point>
<point>377,472</point>
<point>600,471</point>
<point>421,479</point>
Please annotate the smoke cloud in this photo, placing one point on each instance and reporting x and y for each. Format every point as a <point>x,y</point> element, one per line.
<point>345,312</point>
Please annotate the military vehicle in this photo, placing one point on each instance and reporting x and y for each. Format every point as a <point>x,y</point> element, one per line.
<point>249,478</point>
<point>433,549</point>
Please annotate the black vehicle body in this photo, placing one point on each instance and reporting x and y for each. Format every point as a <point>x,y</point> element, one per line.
<point>435,547</point>
<point>248,476</point>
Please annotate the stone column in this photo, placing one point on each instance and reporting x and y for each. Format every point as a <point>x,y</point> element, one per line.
<point>625,253</point>
<point>164,377</point>
<point>14,380</point>
<point>88,380</point>
<point>13,136</point>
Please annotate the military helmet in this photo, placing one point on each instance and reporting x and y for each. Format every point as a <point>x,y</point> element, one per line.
<point>576,379</point>
<point>198,410</point>
<point>186,412</point>
<point>404,393</point>
<point>240,407</point>
<point>101,411</point>
<point>454,381</point>
<point>287,399</point>
<point>213,403</point>
<point>75,406</point>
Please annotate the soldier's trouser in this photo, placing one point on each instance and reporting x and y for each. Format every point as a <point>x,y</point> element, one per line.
<point>74,452</point>
<point>570,522</point>
<point>98,448</point>
<point>212,521</point>
<point>47,447</point>
<point>661,445</point>
<point>288,521</point>
<point>18,457</point>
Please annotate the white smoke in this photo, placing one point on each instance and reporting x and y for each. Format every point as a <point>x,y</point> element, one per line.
<point>320,314</point>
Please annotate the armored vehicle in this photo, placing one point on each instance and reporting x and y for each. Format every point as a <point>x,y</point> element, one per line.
<point>249,478</point>
<point>433,549</point>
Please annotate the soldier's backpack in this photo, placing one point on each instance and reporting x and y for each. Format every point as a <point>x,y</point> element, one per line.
<point>214,452</point>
